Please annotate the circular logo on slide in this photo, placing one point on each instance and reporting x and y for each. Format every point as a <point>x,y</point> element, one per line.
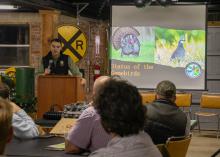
<point>193,70</point>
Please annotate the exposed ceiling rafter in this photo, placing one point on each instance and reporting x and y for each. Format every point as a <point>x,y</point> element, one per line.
<point>96,9</point>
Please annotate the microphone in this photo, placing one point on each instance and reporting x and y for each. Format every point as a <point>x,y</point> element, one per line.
<point>50,64</point>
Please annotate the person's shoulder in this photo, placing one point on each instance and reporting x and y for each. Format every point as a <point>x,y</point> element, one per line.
<point>70,60</point>
<point>103,152</point>
<point>88,113</point>
<point>144,136</point>
<point>64,55</point>
<point>47,56</point>
<point>151,105</point>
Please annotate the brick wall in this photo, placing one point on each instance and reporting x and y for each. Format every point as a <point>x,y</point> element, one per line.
<point>90,27</point>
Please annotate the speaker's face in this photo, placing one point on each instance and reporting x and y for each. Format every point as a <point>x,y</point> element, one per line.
<point>55,48</point>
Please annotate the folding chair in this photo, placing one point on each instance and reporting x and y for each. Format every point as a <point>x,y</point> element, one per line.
<point>184,100</point>
<point>178,146</point>
<point>148,97</point>
<point>209,101</point>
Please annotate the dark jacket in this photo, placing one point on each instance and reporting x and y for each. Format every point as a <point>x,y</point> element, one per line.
<point>59,67</point>
<point>164,119</point>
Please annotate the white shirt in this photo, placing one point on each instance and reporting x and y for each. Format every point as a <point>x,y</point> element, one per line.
<point>23,126</point>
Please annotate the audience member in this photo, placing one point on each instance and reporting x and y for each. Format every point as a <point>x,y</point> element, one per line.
<point>122,116</point>
<point>5,124</point>
<point>88,133</point>
<point>23,126</point>
<point>164,118</point>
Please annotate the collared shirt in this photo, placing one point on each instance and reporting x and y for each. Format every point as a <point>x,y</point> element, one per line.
<point>88,132</point>
<point>139,145</point>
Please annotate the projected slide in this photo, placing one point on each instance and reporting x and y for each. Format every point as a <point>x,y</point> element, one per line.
<point>155,43</point>
<point>138,52</point>
<point>134,44</point>
<point>178,48</point>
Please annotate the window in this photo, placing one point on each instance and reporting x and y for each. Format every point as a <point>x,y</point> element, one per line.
<point>14,45</point>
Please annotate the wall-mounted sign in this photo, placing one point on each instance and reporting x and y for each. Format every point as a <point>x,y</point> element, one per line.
<point>73,41</point>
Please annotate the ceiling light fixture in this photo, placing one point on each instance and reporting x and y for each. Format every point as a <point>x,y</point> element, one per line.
<point>8,7</point>
<point>164,2</point>
<point>142,3</point>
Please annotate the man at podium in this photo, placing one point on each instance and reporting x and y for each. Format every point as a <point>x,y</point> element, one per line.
<point>57,63</point>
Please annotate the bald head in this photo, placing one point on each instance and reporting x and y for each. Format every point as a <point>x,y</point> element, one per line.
<point>99,82</point>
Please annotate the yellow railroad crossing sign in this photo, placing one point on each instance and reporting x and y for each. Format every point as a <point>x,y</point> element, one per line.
<point>73,41</point>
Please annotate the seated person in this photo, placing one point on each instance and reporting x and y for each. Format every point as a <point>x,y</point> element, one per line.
<point>55,62</point>
<point>164,118</point>
<point>5,124</point>
<point>88,133</point>
<point>119,105</point>
<point>23,126</point>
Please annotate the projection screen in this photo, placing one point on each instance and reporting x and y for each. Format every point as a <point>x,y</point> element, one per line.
<point>157,43</point>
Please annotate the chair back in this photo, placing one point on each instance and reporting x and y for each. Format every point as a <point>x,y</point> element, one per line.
<point>183,99</point>
<point>178,146</point>
<point>148,97</point>
<point>210,100</point>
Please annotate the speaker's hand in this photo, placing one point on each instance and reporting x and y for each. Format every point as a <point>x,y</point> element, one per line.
<point>47,71</point>
<point>83,81</point>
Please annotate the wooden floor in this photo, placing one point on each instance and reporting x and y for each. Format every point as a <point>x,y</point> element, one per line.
<point>203,144</point>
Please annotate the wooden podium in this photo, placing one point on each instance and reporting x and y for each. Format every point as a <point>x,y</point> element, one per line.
<point>59,90</point>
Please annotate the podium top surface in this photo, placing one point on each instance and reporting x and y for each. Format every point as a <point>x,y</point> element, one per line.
<point>58,76</point>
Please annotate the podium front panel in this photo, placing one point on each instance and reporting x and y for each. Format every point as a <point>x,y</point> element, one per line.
<point>57,90</point>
